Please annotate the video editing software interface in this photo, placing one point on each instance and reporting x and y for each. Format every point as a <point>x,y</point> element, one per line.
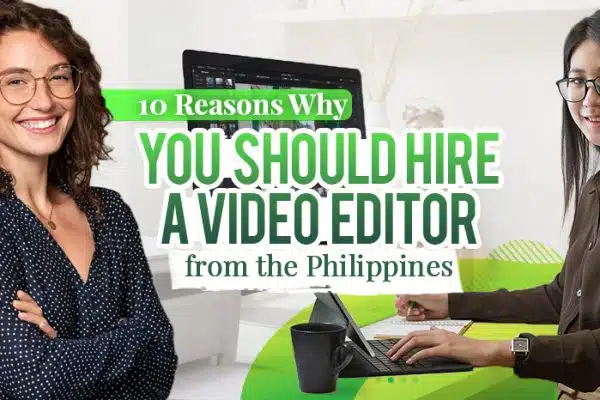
<point>212,77</point>
<point>220,77</point>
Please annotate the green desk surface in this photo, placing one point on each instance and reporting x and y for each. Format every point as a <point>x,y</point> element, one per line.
<point>273,374</point>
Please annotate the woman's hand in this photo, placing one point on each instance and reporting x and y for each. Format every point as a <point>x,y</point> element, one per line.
<point>429,306</point>
<point>29,311</point>
<point>442,343</point>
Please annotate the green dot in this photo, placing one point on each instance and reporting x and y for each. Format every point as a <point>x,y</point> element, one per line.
<point>416,380</point>
<point>390,380</point>
<point>403,380</point>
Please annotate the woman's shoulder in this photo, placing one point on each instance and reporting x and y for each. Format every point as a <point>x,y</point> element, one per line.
<point>106,194</point>
<point>116,214</point>
<point>586,203</point>
<point>591,185</point>
<point>593,181</point>
<point>112,202</point>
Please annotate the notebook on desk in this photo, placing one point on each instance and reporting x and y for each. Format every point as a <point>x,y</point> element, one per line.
<point>397,327</point>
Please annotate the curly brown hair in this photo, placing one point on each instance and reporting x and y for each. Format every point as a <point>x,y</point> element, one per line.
<point>84,146</point>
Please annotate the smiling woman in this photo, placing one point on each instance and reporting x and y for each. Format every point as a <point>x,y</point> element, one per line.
<point>571,358</point>
<point>34,120</point>
<point>79,313</point>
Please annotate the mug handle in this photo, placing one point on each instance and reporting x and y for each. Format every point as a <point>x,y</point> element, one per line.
<point>341,358</point>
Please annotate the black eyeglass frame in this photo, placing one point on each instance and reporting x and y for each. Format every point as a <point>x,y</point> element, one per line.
<point>595,82</point>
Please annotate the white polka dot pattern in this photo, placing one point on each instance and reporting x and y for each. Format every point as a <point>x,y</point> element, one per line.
<point>114,338</point>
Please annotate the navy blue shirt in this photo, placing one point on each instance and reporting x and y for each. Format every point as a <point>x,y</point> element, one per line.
<point>114,340</point>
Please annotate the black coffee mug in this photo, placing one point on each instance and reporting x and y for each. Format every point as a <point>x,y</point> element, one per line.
<point>321,353</point>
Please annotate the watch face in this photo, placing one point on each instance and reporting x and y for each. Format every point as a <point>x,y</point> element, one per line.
<point>520,344</point>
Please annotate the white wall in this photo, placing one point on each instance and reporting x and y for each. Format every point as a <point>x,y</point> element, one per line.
<point>495,70</point>
<point>158,32</point>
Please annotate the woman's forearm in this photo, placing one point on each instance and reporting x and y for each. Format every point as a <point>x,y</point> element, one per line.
<point>539,305</point>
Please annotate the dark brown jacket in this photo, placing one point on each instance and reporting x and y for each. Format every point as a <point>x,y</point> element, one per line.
<point>571,300</point>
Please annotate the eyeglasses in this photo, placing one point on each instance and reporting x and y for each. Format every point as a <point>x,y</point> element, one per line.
<point>19,87</point>
<point>575,89</point>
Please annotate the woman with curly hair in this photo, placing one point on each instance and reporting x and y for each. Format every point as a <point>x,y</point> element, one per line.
<point>79,314</point>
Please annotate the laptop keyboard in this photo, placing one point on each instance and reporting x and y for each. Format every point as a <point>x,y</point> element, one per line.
<point>382,363</point>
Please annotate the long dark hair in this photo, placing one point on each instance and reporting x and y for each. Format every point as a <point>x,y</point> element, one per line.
<point>575,147</point>
<point>84,146</point>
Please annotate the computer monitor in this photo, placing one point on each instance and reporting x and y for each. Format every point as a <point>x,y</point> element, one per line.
<point>210,70</point>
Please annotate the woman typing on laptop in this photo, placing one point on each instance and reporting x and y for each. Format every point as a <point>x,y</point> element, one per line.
<point>572,299</point>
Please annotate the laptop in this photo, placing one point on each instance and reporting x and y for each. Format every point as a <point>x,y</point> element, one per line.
<point>369,355</point>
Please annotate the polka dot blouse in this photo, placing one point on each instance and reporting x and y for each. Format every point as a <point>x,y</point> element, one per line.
<point>114,339</point>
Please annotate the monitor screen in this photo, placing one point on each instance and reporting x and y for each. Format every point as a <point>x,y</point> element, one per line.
<point>209,70</point>
<point>205,70</point>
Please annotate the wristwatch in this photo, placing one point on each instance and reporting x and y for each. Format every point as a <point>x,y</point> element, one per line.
<point>520,348</point>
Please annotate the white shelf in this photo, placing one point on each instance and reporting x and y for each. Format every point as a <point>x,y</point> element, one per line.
<point>385,10</point>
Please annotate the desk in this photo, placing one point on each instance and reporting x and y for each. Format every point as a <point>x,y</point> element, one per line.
<point>273,374</point>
